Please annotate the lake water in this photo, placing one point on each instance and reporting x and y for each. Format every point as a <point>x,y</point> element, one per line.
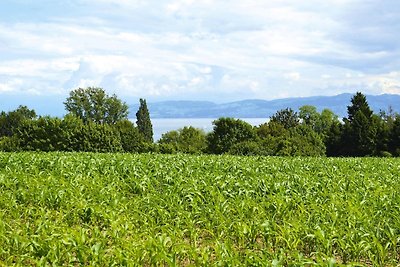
<point>161,126</point>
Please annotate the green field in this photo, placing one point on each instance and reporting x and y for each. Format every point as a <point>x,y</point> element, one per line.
<point>178,210</point>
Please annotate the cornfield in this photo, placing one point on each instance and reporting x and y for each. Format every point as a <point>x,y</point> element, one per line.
<point>86,209</point>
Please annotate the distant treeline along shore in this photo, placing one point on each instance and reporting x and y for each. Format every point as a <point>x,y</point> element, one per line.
<point>98,122</point>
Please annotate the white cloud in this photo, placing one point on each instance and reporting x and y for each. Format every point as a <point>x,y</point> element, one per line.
<point>294,76</point>
<point>205,49</point>
<point>10,85</point>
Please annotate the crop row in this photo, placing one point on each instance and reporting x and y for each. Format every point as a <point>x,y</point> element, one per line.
<point>179,210</point>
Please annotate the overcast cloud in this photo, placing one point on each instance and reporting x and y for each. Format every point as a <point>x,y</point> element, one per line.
<point>204,49</point>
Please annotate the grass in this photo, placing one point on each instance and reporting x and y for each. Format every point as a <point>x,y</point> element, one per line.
<point>178,210</point>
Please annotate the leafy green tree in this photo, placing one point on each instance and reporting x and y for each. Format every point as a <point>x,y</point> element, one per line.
<point>319,122</point>
<point>228,132</point>
<point>43,134</point>
<point>192,140</point>
<point>68,134</point>
<point>310,142</point>
<point>143,121</point>
<point>131,139</point>
<point>385,123</point>
<point>187,140</point>
<point>101,138</point>
<point>248,148</point>
<point>326,119</point>
<point>170,137</point>
<point>270,135</point>
<point>382,140</point>
<point>309,115</point>
<point>359,129</point>
<point>333,140</point>
<point>388,116</point>
<point>394,141</point>
<point>10,143</point>
<point>271,129</point>
<point>288,118</point>
<point>74,133</point>
<point>92,104</point>
<point>300,141</point>
<point>11,121</point>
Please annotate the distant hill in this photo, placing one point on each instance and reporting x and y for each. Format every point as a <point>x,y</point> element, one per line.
<point>261,108</point>
<point>53,106</point>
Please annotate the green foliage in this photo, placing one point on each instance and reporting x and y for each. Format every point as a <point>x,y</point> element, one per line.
<point>359,134</point>
<point>333,140</point>
<point>394,135</point>
<point>309,115</point>
<point>11,121</point>
<point>248,148</point>
<point>326,120</point>
<point>74,133</point>
<point>288,118</point>
<point>301,140</point>
<point>97,123</point>
<point>186,140</point>
<point>143,121</point>
<point>9,144</point>
<point>43,134</point>
<point>84,209</point>
<point>92,104</point>
<point>228,132</point>
<point>101,138</point>
<point>69,134</point>
<point>306,142</point>
<point>271,129</point>
<point>359,104</point>
<point>167,148</point>
<point>319,122</point>
<point>131,139</point>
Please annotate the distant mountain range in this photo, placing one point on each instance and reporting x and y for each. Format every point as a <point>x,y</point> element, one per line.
<point>261,108</point>
<point>53,106</point>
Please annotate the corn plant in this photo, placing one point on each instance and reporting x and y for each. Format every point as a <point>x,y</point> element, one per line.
<point>179,210</point>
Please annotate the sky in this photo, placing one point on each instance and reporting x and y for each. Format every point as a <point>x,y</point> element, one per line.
<point>199,49</point>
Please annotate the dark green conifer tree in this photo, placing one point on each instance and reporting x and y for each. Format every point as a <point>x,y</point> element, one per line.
<point>359,133</point>
<point>143,121</point>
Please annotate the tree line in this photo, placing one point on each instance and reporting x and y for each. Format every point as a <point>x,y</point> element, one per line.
<point>97,122</point>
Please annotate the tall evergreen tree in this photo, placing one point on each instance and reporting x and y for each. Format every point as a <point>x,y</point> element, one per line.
<point>359,133</point>
<point>358,104</point>
<point>143,121</point>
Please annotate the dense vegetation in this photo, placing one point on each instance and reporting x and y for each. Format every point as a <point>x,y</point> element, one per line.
<point>97,122</point>
<point>141,210</point>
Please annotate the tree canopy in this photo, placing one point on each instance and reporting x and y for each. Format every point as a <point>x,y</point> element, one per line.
<point>228,132</point>
<point>98,122</point>
<point>187,140</point>
<point>288,118</point>
<point>92,104</point>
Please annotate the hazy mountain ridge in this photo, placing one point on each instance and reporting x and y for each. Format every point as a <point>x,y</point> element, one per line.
<point>256,108</point>
<point>250,108</point>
